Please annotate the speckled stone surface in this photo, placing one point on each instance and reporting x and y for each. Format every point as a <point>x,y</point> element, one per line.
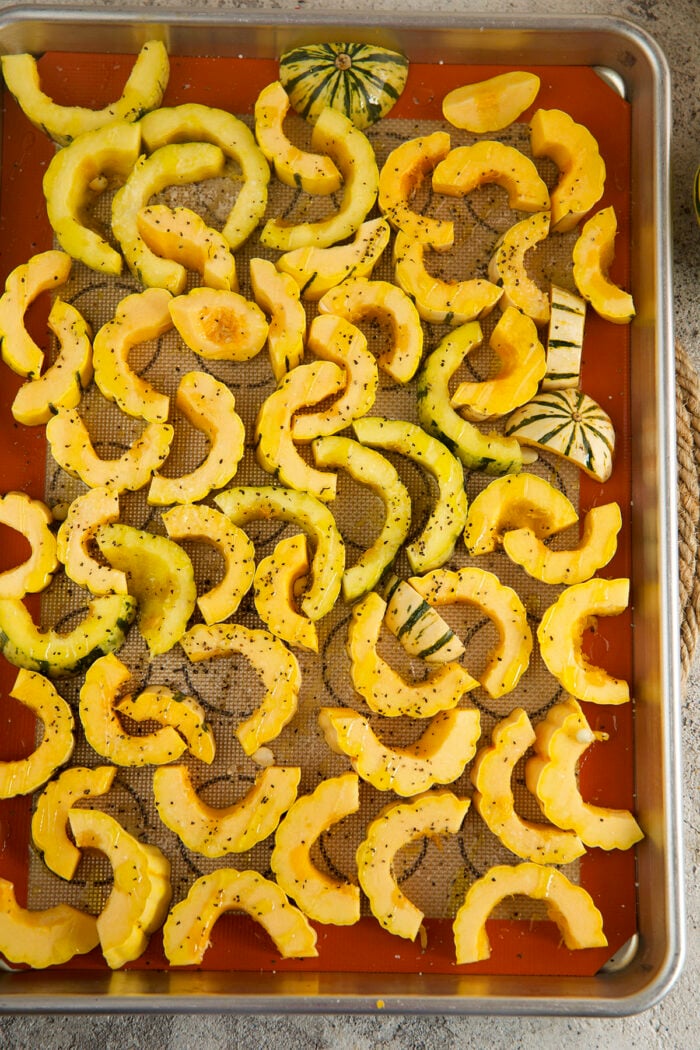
<point>671,1024</point>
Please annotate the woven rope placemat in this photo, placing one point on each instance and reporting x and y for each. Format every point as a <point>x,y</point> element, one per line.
<point>688,425</point>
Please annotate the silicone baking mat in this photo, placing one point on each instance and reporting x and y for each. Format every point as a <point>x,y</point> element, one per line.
<point>434,875</point>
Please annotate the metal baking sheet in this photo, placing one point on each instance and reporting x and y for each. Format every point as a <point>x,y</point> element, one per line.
<point>649,961</point>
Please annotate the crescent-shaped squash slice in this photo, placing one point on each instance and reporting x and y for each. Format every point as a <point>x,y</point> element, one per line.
<point>21,776</point>
<point>181,235</point>
<point>401,176</point>
<point>277,668</point>
<point>477,450</point>
<point>465,168</point>
<point>169,707</point>
<point>555,134</point>
<point>385,691</point>
<point>50,818</point>
<point>75,538</point>
<point>195,122</point>
<point>433,814</point>
<point>277,578</point>
<point>218,831</point>
<point>507,267</point>
<point>334,339</point>
<point>512,502</point>
<point>316,270</point>
<point>419,628</point>
<point>100,698</point>
<point>53,653</point>
<point>560,634</point>
<point>439,300</point>
<point>368,467</point>
<point>198,522</point>
<point>209,405</point>
<point>523,363</point>
<point>595,549</point>
<point>143,90</point>
<point>138,318</point>
<point>491,774</point>
<point>320,896</point>
<point>63,382</point>
<point>359,299</point>
<point>176,164</point>
<point>219,325</point>
<point>46,937</point>
<point>492,104</point>
<point>561,739</point>
<point>267,502</point>
<point>593,255</point>
<point>160,576</point>
<point>75,177</point>
<point>72,448</point>
<point>31,518</point>
<point>439,756</point>
<point>141,891</point>
<point>313,173</point>
<point>44,271</point>
<point>570,906</point>
<point>351,151</point>
<point>275,450</point>
<point>509,658</point>
<point>187,930</point>
<point>447,519</point>
<point>277,294</point>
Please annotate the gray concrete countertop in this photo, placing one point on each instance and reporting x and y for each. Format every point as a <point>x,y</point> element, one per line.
<point>673,1022</point>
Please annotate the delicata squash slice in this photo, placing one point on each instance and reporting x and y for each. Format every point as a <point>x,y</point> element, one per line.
<point>143,90</point>
<point>276,666</point>
<point>278,296</point>
<point>359,299</point>
<point>219,325</point>
<point>268,502</point>
<point>169,707</point>
<point>335,135</point>
<point>100,694</point>
<point>75,539</point>
<point>311,172</point>
<point>215,831</point>
<point>432,814</point>
<point>438,756</point>
<point>419,628</point>
<point>277,579</point>
<point>507,267</point>
<point>593,255</point>
<point>320,896</point>
<point>55,654</point>
<point>491,105</point>
<point>550,774</point>
<point>570,906</point>
<point>465,168</point>
<point>317,270</point>
<point>72,448</point>
<point>181,235</point>
<point>188,927</point>
<point>32,519</point>
<point>43,272</point>
<point>514,501</point>
<point>197,522</point>
<point>45,937</point>
<point>159,575</point>
<point>209,406</point>
<point>381,687</point>
<point>50,817</point>
<point>439,300</point>
<point>141,890</point>
<point>555,134</point>
<point>400,177</point>
<point>138,318</point>
<point>75,177</point>
<point>491,774</point>
<point>193,122</point>
<point>510,656</point>
<point>21,776</point>
<point>560,634</point>
<point>595,549</point>
<point>63,382</point>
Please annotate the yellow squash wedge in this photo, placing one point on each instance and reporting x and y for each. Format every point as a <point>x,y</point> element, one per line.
<point>596,548</point>
<point>555,134</point>
<point>320,896</point>
<point>489,161</point>
<point>492,104</point>
<point>318,269</point>
<point>277,295</point>
<point>181,235</point>
<point>46,937</point>
<point>50,817</point>
<point>567,320</point>
<point>593,255</point>
<point>512,502</point>
<point>507,267</point>
<point>400,178</point>
<point>43,272</point>
<point>32,519</point>
<point>215,831</point>
<point>420,629</point>
<point>219,325</point>
<point>21,776</point>
<point>437,299</point>
<point>169,707</point>
<point>75,539</point>
<point>274,592</point>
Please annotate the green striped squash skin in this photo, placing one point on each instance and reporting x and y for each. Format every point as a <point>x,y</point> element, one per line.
<point>570,423</point>
<point>362,81</point>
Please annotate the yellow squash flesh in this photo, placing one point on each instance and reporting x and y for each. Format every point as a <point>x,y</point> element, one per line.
<point>21,776</point>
